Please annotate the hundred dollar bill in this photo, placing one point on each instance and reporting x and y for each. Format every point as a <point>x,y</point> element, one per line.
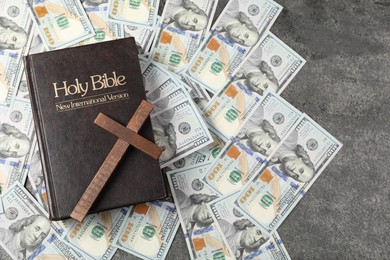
<point>61,23</point>
<point>25,230</point>
<point>235,33</point>
<point>207,153</point>
<point>143,36</point>
<point>17,131</point>
<point>244,238</point>
<point>180,130</point>
<point>15,31</point>
<point>184,25</point>
<point>190,195</point>
<point>95,235</point>
<point>305,152</point>
<point>133,12</point>
<point>104,30</point>
<point>149,230</point>
<point>270,67</point>
<point>253,145</point>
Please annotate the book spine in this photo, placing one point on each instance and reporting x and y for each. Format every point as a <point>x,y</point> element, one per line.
<point>30,75</point>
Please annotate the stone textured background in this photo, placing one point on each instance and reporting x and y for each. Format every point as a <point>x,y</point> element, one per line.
<point>345,87</point>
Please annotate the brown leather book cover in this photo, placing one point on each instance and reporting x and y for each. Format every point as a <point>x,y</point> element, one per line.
<point>68,89</point>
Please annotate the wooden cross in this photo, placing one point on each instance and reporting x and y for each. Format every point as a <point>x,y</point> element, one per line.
<point>127,136</point>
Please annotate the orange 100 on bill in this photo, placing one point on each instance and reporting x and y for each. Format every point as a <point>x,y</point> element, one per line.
<point>61,24</point>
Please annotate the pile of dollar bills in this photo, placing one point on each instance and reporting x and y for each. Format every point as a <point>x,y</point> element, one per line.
<point>238,157</point>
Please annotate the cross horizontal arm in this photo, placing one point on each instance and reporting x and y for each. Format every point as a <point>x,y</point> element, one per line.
<point>129,136</point>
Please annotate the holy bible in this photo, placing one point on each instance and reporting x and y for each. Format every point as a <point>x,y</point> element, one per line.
<point>68,89</point>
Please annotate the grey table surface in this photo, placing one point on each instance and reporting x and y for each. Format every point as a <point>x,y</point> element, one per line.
<point>345,87</point>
